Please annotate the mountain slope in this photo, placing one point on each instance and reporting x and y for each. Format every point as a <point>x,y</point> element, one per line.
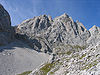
<point>17,57</point>
<point>77,61</point>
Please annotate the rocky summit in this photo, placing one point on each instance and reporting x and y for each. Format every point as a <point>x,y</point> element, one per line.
<point>43,33</point>
<point>46,46</point>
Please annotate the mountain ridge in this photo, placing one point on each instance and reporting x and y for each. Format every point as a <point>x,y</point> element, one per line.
<point>67,47</point>
<point>69,43</point>
<point>60,29</point>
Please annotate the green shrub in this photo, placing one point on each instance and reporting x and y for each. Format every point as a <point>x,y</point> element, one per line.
<point>88,66</point>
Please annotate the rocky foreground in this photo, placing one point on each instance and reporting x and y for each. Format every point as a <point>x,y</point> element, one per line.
<point>72,49</point>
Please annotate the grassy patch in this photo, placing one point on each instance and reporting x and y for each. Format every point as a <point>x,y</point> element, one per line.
<point>88,66</point>
<point>82,56</point>
<point>69,52</point>
<point>62,53</point>
<point>45,69</point>
<point>25,73</point>
<point>80,47</point>
<point>51,73</point>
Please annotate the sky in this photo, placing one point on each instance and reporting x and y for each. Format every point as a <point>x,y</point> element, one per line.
<point>86,11</point>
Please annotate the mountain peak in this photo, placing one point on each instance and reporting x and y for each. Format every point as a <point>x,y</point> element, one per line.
<point>64,15</point>
<point>94,28</point>
<point>1,6</point>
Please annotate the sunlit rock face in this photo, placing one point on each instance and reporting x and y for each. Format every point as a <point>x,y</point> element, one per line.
<point>74,50</point>
<point>95,35</point>
<point>6,31</point>
<point>65,30</point>
<point>49,33</point>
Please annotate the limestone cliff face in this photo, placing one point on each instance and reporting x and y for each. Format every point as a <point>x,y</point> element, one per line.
<point>95,35</point>
<point>73,49</point>
<point>6,31</point>
<point>65,30</point>
<point>35,31</point>
<point>50,33</point>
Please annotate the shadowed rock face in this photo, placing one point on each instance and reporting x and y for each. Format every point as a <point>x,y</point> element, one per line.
<point>34,31</point>
<point>53,32</point>
<point>6,31</point>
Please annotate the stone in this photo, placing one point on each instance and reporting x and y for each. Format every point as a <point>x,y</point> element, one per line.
<point>60,30</point>
<point>76,49</point>
<point>95,35</point>
<point>34,30</point>
<point>6,31</point>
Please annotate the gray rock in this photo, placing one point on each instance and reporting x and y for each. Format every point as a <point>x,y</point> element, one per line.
<point>35,26</point>
<point>75,50</point>
<point>82,62</point>
<point>60,30</point>
<point>34,29</point>
<point>95,35</point>
<point>65,30</point>
<point>6,31</point>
